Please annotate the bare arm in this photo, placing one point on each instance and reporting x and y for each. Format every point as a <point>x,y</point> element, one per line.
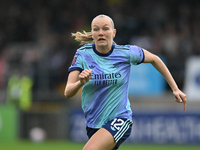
<point>75,81</point>
<point>161,67</point>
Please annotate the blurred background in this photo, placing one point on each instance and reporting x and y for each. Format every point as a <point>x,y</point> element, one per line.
<point>36,50</point>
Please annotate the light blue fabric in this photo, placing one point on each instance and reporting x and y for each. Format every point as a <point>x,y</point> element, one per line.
<point>105,95</point>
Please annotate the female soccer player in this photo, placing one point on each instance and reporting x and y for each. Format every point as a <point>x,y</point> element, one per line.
<point>102,68</point>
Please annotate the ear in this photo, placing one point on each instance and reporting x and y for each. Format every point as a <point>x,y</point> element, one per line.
<point>92,35</point>
<point>114,32</point>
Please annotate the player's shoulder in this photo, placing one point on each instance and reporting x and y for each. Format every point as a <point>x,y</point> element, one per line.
<point>85,47</point>
<point>122,47</point>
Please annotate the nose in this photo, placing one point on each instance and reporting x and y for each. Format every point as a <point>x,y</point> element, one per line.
<point>100,32</point>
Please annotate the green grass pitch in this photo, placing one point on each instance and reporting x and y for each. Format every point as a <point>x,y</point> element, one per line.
<point>66,145</point>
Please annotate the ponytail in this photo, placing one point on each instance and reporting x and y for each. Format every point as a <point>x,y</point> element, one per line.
<point>83,38</point>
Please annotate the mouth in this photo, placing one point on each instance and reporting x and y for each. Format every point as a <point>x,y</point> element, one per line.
<point>101,40</point>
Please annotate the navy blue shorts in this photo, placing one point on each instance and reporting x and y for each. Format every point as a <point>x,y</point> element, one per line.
<point>120,128</point>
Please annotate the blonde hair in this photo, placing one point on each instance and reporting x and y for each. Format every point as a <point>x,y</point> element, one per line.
<point>83,38</point>
<point>86,37</point>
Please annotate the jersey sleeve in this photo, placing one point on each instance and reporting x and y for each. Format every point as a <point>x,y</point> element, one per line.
<point>76,62</point>
<point>137,55</point>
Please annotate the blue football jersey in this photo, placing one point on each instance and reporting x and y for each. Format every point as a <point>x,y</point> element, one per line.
<point>105,95</point>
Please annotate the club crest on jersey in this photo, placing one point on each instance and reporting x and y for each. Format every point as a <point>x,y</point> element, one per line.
<point>74,59</point>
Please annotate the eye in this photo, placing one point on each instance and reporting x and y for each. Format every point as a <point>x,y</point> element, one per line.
<point>95,29</point>
<point>106,29</point>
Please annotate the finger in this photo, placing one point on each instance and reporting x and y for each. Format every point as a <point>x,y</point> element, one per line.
<point>178,99</point>
<point>184,99</point>
<point>85,73</point>
<point>82,75</point>
<point>184,106</point>
<point>89,72</point>
<point>185,102</point>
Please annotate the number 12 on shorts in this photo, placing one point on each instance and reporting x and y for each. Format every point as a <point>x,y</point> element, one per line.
<point>117,123</point>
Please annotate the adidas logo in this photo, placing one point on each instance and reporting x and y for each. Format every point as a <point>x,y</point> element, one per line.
<point>91,66</point>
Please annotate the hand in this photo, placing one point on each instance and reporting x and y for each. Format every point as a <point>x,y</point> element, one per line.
<point>180,97</point>
<point>85,76</point>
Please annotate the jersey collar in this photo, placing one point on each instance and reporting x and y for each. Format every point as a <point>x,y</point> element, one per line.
<point>100,54</point>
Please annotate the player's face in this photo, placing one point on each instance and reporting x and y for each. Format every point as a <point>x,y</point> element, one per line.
<point>103,33</point>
